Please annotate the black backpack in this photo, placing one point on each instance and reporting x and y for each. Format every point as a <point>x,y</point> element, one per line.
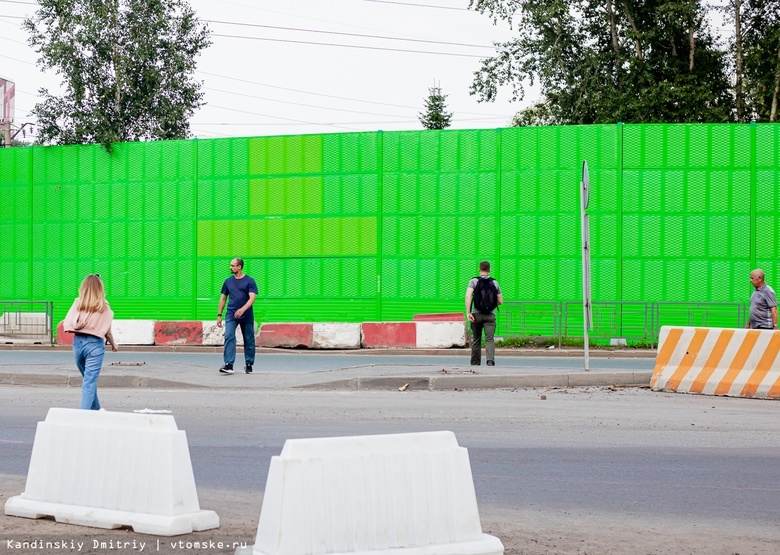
<point>485,294</point>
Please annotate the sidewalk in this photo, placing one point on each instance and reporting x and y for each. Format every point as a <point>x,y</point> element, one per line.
<point>375,369</point>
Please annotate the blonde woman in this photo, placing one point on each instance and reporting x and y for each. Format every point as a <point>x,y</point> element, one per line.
<point>90,319</point>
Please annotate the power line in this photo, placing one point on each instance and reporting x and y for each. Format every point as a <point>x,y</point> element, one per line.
<point>16,59</point>
<point>307,92</point>
<point>209,132</point>
<point>297,121</point>
<point>302,104</point>
<point>350,99</point>
<point>236,123</point>
<point>13,40</point>
<point>417,5</point>
<point>345,34</point>
<point>348,46</point>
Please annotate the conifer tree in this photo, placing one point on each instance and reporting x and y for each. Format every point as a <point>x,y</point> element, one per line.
<point>435,115</point>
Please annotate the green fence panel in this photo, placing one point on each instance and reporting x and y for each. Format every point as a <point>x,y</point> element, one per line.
<point>766,201</point>
<point>540,252</point>
<point>687,212</point>
<point>439,217</point>
<point>386,225</point>
<point>302,212</point>
<point>16,223</point>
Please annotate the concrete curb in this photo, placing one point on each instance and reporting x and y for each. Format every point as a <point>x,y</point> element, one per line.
<point>69,380</point>
<point>413,383</point>
<point>451,383</point>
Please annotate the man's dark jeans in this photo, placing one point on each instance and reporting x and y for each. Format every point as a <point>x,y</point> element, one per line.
<point>488,323</point>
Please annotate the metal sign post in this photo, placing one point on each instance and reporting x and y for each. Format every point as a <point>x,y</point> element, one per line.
<point>586,304</point>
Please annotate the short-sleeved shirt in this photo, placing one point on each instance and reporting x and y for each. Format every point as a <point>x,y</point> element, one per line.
<point>238,291</point>
<point>761,302</point>
<point>473,285</point>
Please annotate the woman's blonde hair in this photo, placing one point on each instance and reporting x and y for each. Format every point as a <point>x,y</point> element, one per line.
<point>92,295</point>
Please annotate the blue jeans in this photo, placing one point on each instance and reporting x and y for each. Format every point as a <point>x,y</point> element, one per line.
<point>89,351</point>
<point>248,331</point>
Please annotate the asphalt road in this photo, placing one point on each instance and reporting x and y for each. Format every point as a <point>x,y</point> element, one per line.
<point>594,449</point>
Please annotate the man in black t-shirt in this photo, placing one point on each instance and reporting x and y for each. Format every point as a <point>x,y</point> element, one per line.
<point>242,291</point>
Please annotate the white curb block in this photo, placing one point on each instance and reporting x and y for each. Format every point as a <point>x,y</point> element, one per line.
<point>401,494</point>
<point>215,336</point>
<point>212,335</point>
<point>133,332</point>
<point>335,336</point>
<point>440,335</point>
<point>111,469</point>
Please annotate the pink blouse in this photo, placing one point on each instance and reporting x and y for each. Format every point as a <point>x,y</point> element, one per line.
<point>91,323</point>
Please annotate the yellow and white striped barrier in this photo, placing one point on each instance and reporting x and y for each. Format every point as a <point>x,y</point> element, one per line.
<point>718,361</point>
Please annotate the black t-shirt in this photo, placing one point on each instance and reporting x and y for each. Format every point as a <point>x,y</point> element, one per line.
<point>238,291</point>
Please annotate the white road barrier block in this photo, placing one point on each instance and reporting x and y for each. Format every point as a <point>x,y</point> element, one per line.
<point>215,336</point>
<point>335,336</point>
<point>400,494</point>
<point>110,469</point>
<point>133,332</point>
<point>441,335</point>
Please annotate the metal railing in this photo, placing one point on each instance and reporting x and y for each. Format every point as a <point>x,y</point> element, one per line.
<point>717,315</point>
<point>629,322</point>
<point>527,319</point>
<point>26,322</point>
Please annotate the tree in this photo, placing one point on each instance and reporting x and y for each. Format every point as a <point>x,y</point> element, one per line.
<point>126,69</point>
<point>756,44</point>
<point>435,115</point>
<point>603,61</point>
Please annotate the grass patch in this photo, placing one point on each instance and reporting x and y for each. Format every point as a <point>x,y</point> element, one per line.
<point>536,342</point>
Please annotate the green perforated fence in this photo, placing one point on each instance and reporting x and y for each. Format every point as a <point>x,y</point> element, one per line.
<point>382,226</point>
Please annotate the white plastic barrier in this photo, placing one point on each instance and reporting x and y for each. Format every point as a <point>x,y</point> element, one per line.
<point>111,469</point>
<point>402,494</point>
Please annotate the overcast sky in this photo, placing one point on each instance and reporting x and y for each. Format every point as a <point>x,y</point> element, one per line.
<point>282,67</point>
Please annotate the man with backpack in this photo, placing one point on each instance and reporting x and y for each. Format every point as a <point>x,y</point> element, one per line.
<point>485,294</point>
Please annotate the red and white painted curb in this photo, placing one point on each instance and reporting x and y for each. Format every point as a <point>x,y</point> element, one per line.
<point>437,331</point>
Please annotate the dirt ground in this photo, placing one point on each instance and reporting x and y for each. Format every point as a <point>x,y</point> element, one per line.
<point>523,532</point>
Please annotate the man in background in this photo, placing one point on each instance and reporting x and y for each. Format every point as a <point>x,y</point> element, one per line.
<point>484,293</point>
<point>763,304</point>
<point>242,291</point>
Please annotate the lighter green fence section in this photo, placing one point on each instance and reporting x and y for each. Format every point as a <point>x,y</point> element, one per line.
<point>382,226</point>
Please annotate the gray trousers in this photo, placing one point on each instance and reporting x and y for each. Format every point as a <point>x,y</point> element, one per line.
<point>488,323</point>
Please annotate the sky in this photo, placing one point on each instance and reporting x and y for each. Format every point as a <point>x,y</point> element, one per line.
<point>288,67</point>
